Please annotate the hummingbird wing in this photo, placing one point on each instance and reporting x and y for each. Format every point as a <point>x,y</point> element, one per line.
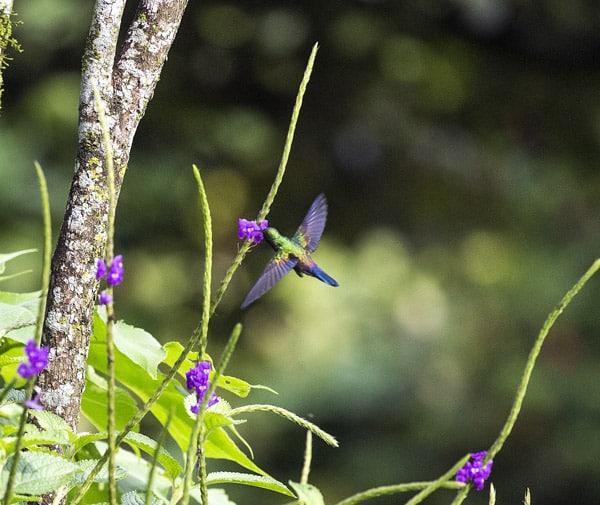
<point>280,265</point>
<point>310,231</point>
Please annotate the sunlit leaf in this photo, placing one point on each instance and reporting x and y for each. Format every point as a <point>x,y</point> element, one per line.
<point>218,444</point>
<point>5,258</point>
<point>93,402</point>
<point>141,347</point>
<point>18,314</point>
<point>146,444</point>
<point>247,479</point>
<point>308,494</point>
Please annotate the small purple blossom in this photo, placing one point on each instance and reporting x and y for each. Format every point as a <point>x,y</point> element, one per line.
<point>474,472</point>
<point>37,360</point>
<point>114,274</point>
<point>251,230</point>
<point>100,268</point>
<point>197,379</point>
<point>105,298</point>
<point>34,403</point>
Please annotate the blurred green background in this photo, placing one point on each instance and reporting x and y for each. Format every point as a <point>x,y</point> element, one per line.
<point>458,143</point>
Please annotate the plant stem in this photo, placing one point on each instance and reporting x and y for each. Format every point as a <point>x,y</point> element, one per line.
<point>307,459</point>
<point>39,323</point>
<point>110,345</point>
<point>278,178</point>
<point>208,251</point>
<point>537,346</point>
<point>198,436</point>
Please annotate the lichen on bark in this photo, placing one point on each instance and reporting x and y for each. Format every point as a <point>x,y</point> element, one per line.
<point>126,84</point>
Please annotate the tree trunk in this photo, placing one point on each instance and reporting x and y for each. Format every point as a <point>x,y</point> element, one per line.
<point>126,85</point>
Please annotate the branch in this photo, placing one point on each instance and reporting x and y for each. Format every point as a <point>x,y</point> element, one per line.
<point>126,87</point>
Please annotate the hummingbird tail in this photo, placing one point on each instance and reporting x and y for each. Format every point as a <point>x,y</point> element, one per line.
<point>322,276</point>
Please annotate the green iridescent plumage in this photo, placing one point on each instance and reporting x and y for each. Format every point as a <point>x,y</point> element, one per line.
<point>294,252</point>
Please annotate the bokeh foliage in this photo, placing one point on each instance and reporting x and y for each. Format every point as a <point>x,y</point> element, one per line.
<point>458,145</point>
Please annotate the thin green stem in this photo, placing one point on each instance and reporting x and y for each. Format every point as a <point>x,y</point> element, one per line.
<point>394,489</point>
<point>443,481</point>
<point>110,346</point>
<point>425,488</point>
<point>461,495</point>
<point>208,252</point>
<point>17,452</point>
<point>198,436</point>
<point>276,183</point>
<point>159,444</point>
<point>290,416</point>
<point>537,346</point>
<point>135,420</point>
<point>290,135</point>
<point>47,257</point>
<point>223,287</point>
<point>39,323</point>
<point>307,459</point>
<point>201,333</point>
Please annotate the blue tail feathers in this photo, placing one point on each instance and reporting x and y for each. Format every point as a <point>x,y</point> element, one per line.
<point>322,276</point>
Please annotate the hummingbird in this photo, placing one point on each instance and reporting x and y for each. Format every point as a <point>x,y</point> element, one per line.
<point>294,252</point>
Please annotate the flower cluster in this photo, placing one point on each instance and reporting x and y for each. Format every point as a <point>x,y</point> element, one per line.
<point>197,380</point>
<point>37,360</point>
<point>251,230</point>
<point>474,471</point>
<point>114,275</point>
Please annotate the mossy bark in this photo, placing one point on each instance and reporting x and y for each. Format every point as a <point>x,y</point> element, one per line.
<point>126,80</point>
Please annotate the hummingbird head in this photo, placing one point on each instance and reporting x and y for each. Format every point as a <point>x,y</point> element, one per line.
<point>271,235</point>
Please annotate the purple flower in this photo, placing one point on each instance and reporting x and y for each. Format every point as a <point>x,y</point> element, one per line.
<point>34,403</point>
<point>474,472</point>
<point>251,230</point>
<point>100,268</point>
<point>37,357</point>
<point>116,272</point>
<point>197,380</point>
<point>105,298</point>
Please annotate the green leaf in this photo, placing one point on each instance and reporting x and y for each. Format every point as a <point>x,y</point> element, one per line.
<point>34,439</point>
<point>247,479</point>
<point>140,347</point>
<point>87,465</point>
<point>18,315</point>
<point>137,470</point>
<point>49,421</point>
<point>308,494</point>
<point>84,439</point>
<point>217,496</point>
<point>140,383</point>
<point>54,431</point>
<point>219,445</point>
<point>146,444</point>
<point>39,472</point>
<point>136,498</point>
<point>19,298</point>
<point>174,350</point>
<point>234,385</point>
<point>143,386</point>
<point>5,258</point>
<point>93,402</point>
<point>11,354</point>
